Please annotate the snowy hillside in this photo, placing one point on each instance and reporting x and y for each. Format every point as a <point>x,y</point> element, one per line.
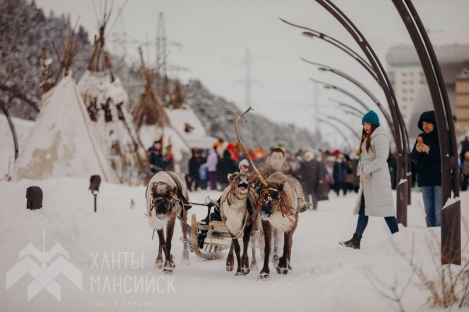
<point>218,115</point>
<point>325,276</point>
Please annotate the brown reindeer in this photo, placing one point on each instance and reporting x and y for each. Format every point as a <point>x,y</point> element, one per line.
<point>238,220</point>
<point>278,207</point>
<point>279,199</point>
<point>164,204</point>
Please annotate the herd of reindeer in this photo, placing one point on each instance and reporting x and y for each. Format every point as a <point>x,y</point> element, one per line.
<point>251,203</point>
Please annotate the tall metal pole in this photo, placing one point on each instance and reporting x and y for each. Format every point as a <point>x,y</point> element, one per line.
<point>398,122</point>
<point>451,214</point>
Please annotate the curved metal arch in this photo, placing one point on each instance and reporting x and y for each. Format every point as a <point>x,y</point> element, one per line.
<point>346,139</point>
<point>359,85</point>
<point>401,137</point>
<point>451,215</point>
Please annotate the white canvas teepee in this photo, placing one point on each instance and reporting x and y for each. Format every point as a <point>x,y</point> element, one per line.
<point>105,98</point>
<point>63,142</point>
<point>114,124</point>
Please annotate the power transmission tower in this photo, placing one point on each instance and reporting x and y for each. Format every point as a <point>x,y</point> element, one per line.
<point>162,56</point>
<point>248,82</point>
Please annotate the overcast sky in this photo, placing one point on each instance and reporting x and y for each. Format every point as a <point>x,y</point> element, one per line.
<point>216,33</point>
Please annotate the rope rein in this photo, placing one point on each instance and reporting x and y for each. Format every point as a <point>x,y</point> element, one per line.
<point>283,205</point>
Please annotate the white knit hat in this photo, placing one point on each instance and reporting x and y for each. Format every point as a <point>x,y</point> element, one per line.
<point>244,162</point>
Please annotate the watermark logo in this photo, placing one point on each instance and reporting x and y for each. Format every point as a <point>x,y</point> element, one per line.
<point>44,275</point>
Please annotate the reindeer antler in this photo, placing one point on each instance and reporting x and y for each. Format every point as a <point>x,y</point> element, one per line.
<point>244,149</point>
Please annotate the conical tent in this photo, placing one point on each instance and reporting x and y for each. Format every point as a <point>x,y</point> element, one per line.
<point>149,109</point>
<point>63,142</point>
<point>177,124</point>
<point>105,99</point>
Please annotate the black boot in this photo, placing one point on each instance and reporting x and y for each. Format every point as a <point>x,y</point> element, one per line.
<point>356,243</point>
<point>352,243</point>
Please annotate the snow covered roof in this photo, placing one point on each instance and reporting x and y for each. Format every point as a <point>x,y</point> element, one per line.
<point>449,49</point>
<point>63,142</point>
<point>181,119</point>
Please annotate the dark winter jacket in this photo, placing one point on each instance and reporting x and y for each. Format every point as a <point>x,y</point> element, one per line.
<point>340,171</point>
<point>310,173</point>
<point>225,166</point>
<point>156,160</point>
<point>428,165</point>
<point>194,166</point>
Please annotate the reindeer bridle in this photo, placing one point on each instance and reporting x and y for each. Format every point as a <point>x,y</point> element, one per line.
<point>283,205</point>
<point>170,200</point>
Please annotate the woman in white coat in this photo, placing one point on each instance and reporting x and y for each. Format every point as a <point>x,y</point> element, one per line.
<point>375,195</point>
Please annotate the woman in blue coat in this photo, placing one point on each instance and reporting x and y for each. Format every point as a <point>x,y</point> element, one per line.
<point>375,193</point>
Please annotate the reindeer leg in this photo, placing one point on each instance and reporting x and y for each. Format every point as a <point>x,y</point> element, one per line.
<point>169,264</point>
<point>282,267</point>
<point>185,250</point>
<point>237,249</point>
<point>265,272</point>
<point>159,258</point>
<point>230,258</point>
<point>289,252</point>
<point>245,258</point>
<point>253,248</point>
<point>275,255</point>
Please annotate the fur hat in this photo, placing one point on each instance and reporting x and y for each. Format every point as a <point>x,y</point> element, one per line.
<point>244,163</point>
<point>371,117</point>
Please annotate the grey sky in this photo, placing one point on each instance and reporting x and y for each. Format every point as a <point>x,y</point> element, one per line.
<point>215,34</point>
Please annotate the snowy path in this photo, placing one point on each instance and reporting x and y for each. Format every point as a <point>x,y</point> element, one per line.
<point>325,276</point>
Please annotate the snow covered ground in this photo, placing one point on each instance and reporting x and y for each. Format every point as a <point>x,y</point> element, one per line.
<point>114,251</point>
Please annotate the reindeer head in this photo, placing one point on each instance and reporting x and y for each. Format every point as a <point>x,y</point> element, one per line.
<point>163,199</point>
<point>269,199</point>
<point>240,184</point>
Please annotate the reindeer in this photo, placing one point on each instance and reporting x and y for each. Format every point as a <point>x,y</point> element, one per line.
<point>279,199</point>
<point>278,207</point>
<point>165,195</point>
<point>238,220</point>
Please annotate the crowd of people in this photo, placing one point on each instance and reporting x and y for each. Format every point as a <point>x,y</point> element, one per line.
<point>318,171</point>
<point>370,171</point>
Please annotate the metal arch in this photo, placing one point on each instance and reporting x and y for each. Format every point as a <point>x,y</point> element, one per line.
<point>353,114</point>
<point>334,87</point>
<point>338,44</point>
<point>371,70</point>
<point>401,137</point>
<point>348,106</point>
<point>359,85</point>
<point>345,124</point>
<point>451,215</point>
<point>346,139</point>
